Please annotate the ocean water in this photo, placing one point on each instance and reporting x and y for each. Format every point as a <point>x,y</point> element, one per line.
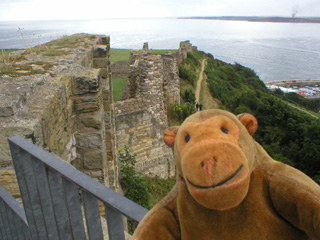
<point>276,51</point>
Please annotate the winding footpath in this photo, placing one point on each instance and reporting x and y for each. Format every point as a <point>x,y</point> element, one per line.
<point>198,89</point>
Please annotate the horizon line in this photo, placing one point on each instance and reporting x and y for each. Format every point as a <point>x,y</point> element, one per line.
<point>168,17</point>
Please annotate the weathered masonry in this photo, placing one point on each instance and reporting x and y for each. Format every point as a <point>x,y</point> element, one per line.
<point>59,96</point>
<point>65,106</point>
<point>141,117</point>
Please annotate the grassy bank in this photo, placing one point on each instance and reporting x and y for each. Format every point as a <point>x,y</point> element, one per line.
<point>161,51</point>
<point>189,71</point>
<point>117,55</point>
<point>118,85</point>
<point>287,133</point>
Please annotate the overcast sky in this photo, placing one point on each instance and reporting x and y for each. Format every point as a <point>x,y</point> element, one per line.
<point>93,9</point>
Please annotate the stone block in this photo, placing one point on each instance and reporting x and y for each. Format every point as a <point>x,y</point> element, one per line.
<point>104,72</point>
<point>93,160</point>
<point>77,163</point>
<point>91,121</point>
<point>96,174</point>
<point>100,51</point>
<point>100,63</point>
<point>103,40</point>
<point>86,81</point>
<point>87,104</point>
<point>108,145</point>
<point>106,106</point>
<point>109,155</point>
<point>89,140</point>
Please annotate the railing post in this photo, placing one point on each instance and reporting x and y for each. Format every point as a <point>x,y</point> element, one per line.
<point>91,210</point>
<point>5,229</point>
<point>59,205</point>
<point>115,224</point>
<point>74,208</point>
<point>23,189</point>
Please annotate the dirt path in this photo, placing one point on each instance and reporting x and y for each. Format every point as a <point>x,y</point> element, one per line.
<point>198,89</point>
<point>292,105</point>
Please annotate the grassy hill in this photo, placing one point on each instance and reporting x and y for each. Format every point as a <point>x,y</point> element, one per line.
<point>287,133</point>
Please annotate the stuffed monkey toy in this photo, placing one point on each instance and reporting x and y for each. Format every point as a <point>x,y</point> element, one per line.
<point>229,188</point>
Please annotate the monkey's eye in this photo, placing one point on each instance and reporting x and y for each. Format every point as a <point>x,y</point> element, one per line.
<point>223,129</point>
<point>187,138</point>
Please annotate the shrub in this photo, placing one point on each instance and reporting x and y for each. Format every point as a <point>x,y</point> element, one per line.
<point>159,187</point>
<point>181,112</point>
<point>189,96</point>
<point>187,74</point>
<point>133,185</point>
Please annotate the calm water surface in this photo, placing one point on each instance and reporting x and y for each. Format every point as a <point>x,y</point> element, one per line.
<point>274,50</point>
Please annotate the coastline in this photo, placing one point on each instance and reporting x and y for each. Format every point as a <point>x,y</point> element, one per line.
<point>261,19</point>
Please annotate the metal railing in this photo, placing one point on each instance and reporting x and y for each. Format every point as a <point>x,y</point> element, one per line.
<point>55,195</point>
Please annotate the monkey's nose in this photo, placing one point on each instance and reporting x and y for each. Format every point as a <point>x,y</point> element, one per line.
<point>203,164</point>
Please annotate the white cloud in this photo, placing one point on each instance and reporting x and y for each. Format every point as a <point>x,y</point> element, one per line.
<point>75,9</point>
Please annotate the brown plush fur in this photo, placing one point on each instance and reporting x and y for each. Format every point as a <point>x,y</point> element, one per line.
<point>228,187</point>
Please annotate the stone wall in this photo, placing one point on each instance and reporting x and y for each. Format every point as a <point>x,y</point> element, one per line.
<point>186,47</point>
<point>120,69</point>
<point>141,116</point>
<point>66,110</point>
<point>171,82</point>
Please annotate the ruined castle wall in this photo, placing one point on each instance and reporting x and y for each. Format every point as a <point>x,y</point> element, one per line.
<point>120,69</point>
<point>141,119</point>
<point>137,128</point>
<point>171,83</point>
<point>66,111</point>
<point>184,48</point>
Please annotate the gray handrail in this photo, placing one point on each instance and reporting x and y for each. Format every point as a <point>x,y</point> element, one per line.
<point>13,221</point>
<point>50,190</point>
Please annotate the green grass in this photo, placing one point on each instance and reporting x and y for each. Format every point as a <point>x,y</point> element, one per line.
<point>118,85</point>
<point>14,70</point>
<point>117,55</point>
<point>161,51</point>
<point>55,52</point>
<point>159,187</point>
<point>5,52</point>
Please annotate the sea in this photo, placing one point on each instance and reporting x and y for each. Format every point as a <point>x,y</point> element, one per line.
<point>275,51</point>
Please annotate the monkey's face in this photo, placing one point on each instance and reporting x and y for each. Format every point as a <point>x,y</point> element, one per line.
<point>212,161</point>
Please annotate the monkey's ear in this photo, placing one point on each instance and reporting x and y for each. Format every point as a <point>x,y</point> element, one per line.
<point>249,121</point>
<point>170,135</point>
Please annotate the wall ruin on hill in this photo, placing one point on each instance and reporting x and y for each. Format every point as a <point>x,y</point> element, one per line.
<point>141,117</point>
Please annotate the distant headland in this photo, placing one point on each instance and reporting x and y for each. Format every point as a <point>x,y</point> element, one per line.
<point>262,19</point>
